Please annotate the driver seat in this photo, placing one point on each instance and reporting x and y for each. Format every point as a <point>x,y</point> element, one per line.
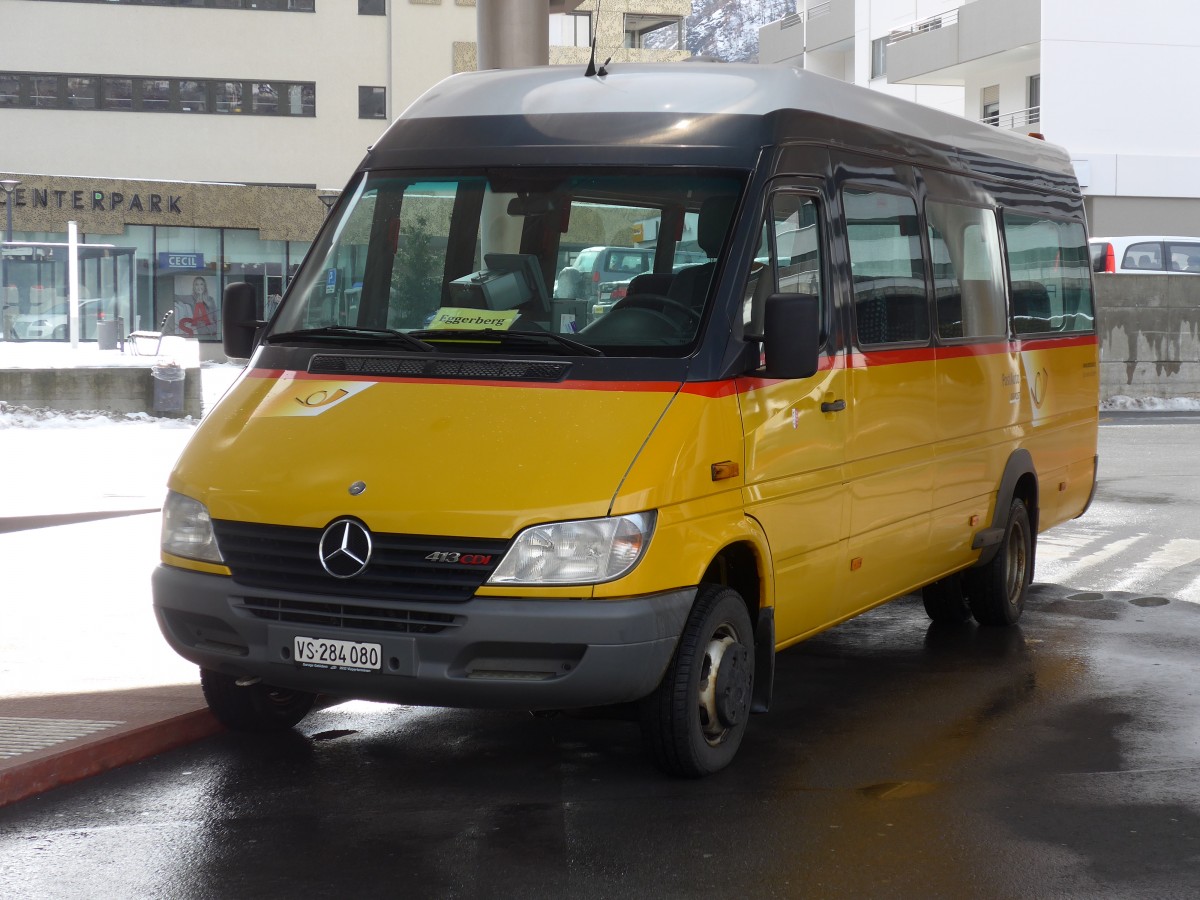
<point>690,286</point>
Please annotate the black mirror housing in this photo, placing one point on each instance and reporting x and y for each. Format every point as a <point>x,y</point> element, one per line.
<point>239,320</point>
<point>792,335</point>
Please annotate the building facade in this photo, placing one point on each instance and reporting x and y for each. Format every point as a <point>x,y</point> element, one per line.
<point>208,135</point>
<point>1098,78</point>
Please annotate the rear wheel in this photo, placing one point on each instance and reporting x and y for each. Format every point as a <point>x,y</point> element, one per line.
<point>693,723</point>
<point>996,591</point>
<point>945,602</point>
<point>255,707</point>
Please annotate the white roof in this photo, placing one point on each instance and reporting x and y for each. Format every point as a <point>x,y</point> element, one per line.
<point>697,88</point>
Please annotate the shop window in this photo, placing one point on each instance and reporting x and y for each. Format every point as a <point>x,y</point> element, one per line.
<point>187,280</point>
<point>372,103</point>
<point>653,32</point>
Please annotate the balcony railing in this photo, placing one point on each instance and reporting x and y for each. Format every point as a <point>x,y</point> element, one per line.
<point>1022,118</point>
<point>933,23</point>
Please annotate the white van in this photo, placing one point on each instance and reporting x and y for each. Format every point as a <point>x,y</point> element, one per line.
<point>1143,254</point>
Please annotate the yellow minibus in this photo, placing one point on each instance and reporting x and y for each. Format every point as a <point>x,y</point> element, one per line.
<point>438,483</point>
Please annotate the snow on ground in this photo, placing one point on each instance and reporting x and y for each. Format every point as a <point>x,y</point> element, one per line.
<point>68,462</point>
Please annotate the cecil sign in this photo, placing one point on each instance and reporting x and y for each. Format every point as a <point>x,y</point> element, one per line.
<point>181,261</point>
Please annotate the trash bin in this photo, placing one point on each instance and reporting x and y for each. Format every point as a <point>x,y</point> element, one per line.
<point>168,387</point>
<point>107,334</point>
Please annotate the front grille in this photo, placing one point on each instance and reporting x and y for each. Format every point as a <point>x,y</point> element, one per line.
<point>286,558</point>
<point>346,615</point>
<point>408,367</point>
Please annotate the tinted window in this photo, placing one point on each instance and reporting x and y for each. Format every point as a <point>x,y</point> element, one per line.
<point>890,304</point>
<point>968,274</point>
<point>1049,269</point>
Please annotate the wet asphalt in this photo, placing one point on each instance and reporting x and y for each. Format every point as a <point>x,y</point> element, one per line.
<point>1059,758</point>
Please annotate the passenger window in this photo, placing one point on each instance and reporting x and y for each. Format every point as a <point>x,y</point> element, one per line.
<point>890,303</point>
<point>1049,269</point>
<point>1184,257</point>
<point>1143,256</point>
<point>788,260</point>
<point>968,274</point>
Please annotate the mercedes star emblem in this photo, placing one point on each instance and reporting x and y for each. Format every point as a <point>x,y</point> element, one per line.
<point>345,548</point>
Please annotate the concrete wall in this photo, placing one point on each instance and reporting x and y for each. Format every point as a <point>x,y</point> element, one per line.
<point>117,389</point>
<point>1149,328</point>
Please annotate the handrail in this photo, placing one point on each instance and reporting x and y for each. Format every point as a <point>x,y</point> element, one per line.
<point>1019,119</point>
<point>933,23</point>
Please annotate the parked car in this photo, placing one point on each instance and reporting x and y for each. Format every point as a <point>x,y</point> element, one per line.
<point>599,267</point>
<point>1145,254</point>
<point>54,323</point>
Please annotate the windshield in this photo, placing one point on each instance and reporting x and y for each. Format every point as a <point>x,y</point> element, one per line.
<point>620,263</point>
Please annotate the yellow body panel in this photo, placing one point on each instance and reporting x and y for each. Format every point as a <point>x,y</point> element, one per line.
<point>448,458</point>
<point>843,510</point>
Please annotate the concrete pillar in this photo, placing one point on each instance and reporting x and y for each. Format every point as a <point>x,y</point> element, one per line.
<point>513,33</point>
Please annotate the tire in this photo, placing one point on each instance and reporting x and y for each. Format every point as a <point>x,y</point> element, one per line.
<point>693,722</point>
<point>946,602</point>
<point>257,707</point>
<point>996,590</point>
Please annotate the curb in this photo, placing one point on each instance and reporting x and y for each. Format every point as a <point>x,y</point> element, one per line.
<point>107,753</point>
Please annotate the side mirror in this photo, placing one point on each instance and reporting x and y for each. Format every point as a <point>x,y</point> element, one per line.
<point>792,335</point>
<point>239,320</point>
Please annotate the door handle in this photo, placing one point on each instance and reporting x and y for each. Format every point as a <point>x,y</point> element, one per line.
<point>835,406</point>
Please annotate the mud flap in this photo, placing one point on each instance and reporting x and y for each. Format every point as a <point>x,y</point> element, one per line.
<point>764,661</point>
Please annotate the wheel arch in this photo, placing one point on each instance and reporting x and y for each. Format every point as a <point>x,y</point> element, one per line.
<point>742,566</point>
<point>1019,482</point>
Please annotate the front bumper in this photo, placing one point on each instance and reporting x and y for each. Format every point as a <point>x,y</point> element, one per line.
<point>509,653</point>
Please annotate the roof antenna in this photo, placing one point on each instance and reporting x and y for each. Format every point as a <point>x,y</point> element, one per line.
<point>591,66</point>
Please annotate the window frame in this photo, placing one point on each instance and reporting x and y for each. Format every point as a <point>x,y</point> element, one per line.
<point>1002,260</point>
<point>900,191</point>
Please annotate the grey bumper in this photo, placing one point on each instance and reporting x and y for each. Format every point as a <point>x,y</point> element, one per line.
<point>487,652</point>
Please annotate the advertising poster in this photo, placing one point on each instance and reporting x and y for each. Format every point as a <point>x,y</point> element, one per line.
<point>196,309</point>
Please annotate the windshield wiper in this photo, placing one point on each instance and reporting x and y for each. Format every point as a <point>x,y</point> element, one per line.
<point>347,331</point>
<point>527,338</point>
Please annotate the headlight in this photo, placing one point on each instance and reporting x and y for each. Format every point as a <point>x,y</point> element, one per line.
<point>187,530</point>
<point>588,551</point>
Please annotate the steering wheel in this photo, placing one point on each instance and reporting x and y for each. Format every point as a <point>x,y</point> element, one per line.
<point>657,303</point>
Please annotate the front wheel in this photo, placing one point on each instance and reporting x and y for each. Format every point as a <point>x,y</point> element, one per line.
<point>996,591</point>
<point>694,721</point>
<point>255,707</point>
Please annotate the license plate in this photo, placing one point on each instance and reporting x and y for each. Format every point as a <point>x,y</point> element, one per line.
<point>326,653</point>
